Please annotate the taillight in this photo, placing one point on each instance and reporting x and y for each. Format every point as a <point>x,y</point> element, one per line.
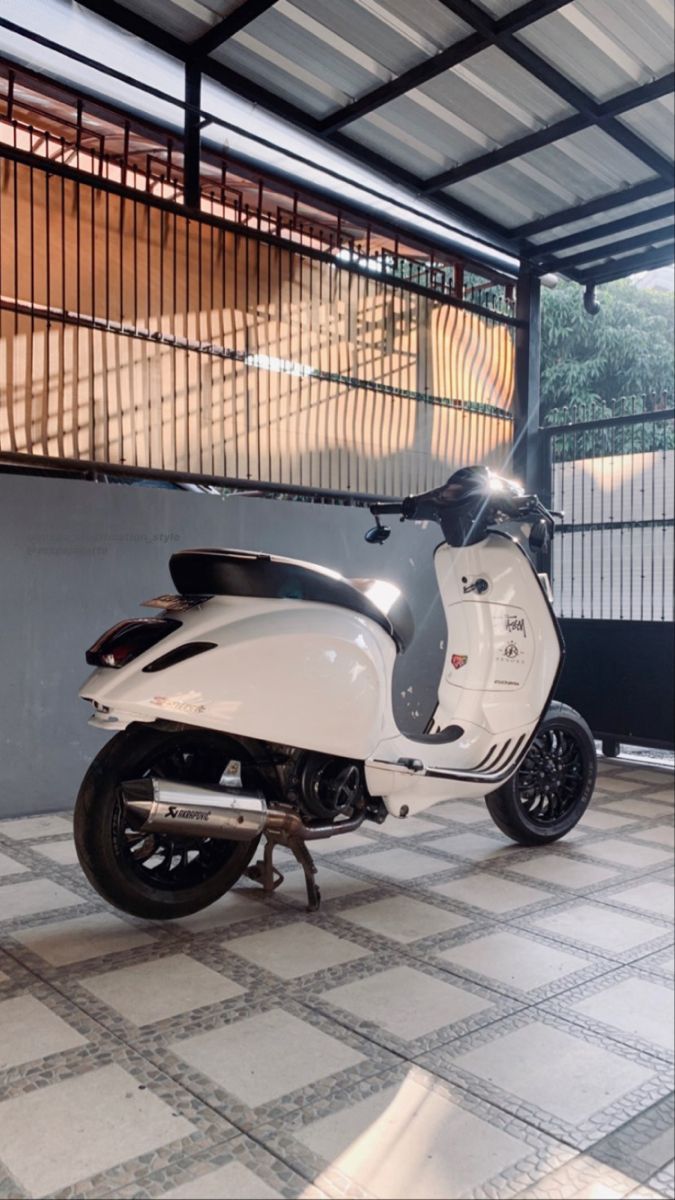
<point>125,641</point>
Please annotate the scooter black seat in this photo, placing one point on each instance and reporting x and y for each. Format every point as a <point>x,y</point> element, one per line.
<point>246,573</point>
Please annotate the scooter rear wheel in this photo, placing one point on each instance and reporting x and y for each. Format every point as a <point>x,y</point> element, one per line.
<point>553,786</point>
<point>154,875</point>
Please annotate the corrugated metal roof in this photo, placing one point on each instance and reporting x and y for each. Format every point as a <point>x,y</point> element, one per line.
<point>653,123</point>
<point>606,46</point>
<point>577,168</point>
<point>535,116</point>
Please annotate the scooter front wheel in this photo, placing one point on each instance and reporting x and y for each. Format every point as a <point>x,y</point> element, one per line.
<point>156,875</point>
<point>552,788</point>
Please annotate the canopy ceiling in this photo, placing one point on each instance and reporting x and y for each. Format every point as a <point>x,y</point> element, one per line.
<point>548,124</point>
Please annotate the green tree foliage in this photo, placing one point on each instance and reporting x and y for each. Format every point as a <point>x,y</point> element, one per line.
<point>619,361</point>
<point>595,363</point>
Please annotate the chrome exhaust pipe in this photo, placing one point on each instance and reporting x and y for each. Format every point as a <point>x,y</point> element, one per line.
<point>162,806</point>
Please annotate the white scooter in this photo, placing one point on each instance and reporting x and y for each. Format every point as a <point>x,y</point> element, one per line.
<point>260,703</point>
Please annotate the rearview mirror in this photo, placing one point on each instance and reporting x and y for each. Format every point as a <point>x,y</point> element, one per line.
<point>378,534</point>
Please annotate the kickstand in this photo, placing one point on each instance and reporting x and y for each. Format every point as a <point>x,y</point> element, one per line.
<point>266,874</point>
<point>308,865</point>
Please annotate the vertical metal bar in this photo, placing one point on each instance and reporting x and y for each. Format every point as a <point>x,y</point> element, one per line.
<point>270,381</point>
<point>256,332</point>
<point>48,301</point>
<point>174,353</point>
<point>191,136</point>
<point>528,359</point>
<point>631,551</point>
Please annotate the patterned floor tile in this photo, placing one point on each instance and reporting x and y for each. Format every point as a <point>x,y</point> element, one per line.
<point>599,927</point>
<point>465,812</point>
<point>9,866</point>
<point>474,847</point>
<point>519,963</point>
<point>623,1004</point>
<point>561,1076</point>
<point>640,809</point>
<point>539,985</point>
<point>627,853</point>
<point>29,1030</point>
<point>151,991</point>
<point>642,1146</point>
<point>403,919</point>
<point>653,775</point>
<point>408,1007</point>
<point>654,897</point>
<point>295,949</point>
<point>408,828</point>
<point>661,963</point>
<point>407,1134</point>
<point>597,818</point>
<point>663,835</point>
<point>251,1057</point>
<point>238,1170</point>
<point>116,1117</point>
<point>243,903</point>
<point>61,943</point>
<point>399,864</point>
<point>582,1179</point>
<point>26,829</point>
<point>666,795</point>
<point>663,1181</point>
<point>260,1056</point>
<point>334,885</point>
<point>607,783</point>
<point>492,894</point>
<point>63,852</point>
<point>550,866</point>
<point>35,896</point>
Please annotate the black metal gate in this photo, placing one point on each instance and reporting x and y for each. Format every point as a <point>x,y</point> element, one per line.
<point>612,569</point>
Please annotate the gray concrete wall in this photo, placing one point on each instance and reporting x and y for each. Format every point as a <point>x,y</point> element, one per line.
<point>75,557</point>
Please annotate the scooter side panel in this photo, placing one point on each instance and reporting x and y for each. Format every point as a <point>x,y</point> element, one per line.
<point>502,658</point>
<point>302,674</point>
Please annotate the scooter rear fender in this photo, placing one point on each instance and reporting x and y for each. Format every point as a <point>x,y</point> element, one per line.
<point>286,671</point>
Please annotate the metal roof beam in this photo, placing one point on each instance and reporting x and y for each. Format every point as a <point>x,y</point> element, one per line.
<point>495,236</point>
<point>553,79</point>
<point>226,29</point>
<point>618,268</point>
<point>429,68</point>
<point>552,133</point>
<point>598,253</point>
<point>593,232</point>
<point>140,26</point>
<point>591,208</point>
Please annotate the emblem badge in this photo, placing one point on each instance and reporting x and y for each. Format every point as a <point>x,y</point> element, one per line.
<point>459,660</point>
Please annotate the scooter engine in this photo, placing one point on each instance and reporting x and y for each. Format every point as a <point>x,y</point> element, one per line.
<point>330,787</point>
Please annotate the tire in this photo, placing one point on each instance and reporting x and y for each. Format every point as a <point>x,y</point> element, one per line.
<point>552,788</point>
<point>181,876</point>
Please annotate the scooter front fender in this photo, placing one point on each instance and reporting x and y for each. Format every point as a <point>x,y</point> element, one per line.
<point>292,672</point>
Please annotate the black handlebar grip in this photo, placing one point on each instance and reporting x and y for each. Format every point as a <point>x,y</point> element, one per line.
<point>381,509</point>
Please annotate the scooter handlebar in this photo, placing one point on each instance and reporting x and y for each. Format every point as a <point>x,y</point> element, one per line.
<point>385,508</point>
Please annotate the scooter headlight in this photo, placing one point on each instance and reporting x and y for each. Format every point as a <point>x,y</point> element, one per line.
<point>128,639</point>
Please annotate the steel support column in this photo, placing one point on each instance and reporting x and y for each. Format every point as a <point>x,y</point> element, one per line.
<point>528,362</point>
<point>193,90</point>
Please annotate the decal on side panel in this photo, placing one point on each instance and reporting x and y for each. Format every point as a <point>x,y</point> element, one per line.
<point>513,650</point>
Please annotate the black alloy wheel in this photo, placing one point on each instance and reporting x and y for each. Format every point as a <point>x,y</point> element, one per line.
<point>551,789</point>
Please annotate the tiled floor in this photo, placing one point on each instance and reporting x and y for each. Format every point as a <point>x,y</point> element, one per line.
<point>462,1018</point>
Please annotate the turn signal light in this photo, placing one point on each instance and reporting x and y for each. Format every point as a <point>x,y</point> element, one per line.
<point>125,641</point>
